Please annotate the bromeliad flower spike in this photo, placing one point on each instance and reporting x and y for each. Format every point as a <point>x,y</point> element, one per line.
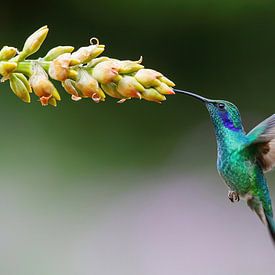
<point>243,158</point>
<point>82,74</point>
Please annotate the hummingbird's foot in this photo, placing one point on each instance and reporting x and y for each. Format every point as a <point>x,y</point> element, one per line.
<point>233,196</point>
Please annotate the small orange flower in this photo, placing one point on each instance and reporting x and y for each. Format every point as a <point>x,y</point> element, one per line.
<point>42,86</point>
<point>128,66</point>
<point>106,72</point>
<point>128,86</point>
<point>89,86</point>
<point>148,78</point>
<point>86,54</point>
<point>164,89</point>
<point>59,67</point>
<point>111,90</point>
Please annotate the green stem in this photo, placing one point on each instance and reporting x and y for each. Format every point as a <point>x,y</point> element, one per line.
<point>25,67</point>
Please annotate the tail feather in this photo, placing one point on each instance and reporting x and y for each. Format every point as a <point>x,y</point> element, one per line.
<point>265,216</point>
<point>271,226</point>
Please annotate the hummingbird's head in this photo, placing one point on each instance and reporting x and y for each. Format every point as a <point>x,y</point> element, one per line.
<point>223,114</point>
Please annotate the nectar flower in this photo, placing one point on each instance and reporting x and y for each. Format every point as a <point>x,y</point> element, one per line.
<point>148,78</point>
<point>59,67</point>
<point>88,85</point>
<point>42,86</point>
<point>111,90</point>
<point>128,66</point>
<point>128,86</point>
<point>95,61</point>
<point>164,89</point>
<point>86,54</point>
<point>106,72</point>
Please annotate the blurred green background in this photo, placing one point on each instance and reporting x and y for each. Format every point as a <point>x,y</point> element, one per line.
<point>132,189</point>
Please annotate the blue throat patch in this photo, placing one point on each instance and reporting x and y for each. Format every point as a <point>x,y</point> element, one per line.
<point>228,123</point>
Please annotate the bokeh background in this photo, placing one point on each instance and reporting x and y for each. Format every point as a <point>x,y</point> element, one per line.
<point>132,189</point>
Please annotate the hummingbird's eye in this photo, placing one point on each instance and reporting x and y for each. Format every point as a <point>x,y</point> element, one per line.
<point>221,106</point>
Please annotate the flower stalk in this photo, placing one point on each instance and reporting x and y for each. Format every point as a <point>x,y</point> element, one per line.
<point>82,73</point>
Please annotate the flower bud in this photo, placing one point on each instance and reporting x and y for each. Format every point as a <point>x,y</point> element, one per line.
<point>7,53</point>
<point>111,90</point>
<point>164,89</point>
<point>106,72</point>
<point>24,80</point>
<point>128,86</point>
<point>127,66</point>
<point>88,85</point>
<point>167,81</point>
<point>59,67</point>
<point>95,61</point>
<point>57,51</point>
<point>33,43</point>
<point>153,95</point>
<point>86,54</point>
<point>148,78</point>
<point>6,68</point>
<point>19,88</point>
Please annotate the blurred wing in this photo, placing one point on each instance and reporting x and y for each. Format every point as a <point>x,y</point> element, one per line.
<point>266,155</point>
<point>263,138</point>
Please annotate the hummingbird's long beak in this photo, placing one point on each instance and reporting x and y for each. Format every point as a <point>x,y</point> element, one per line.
<point>201,98</point>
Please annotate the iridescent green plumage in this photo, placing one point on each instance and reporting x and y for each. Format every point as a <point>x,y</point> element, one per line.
<point>243,158</point>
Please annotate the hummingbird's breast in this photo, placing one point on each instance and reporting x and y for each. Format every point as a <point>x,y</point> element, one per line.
<point>236,165</point>
<point>238,170</point>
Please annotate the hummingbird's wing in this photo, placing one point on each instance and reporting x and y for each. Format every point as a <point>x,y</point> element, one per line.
<point>262,138</point>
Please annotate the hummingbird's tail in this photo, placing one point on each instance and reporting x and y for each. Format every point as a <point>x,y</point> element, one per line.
<point>271,226</point>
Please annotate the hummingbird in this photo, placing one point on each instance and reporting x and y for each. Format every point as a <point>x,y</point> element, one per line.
<point>243,158</point>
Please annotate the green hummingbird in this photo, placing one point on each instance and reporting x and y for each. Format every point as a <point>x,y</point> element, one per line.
<point>242,159</point>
